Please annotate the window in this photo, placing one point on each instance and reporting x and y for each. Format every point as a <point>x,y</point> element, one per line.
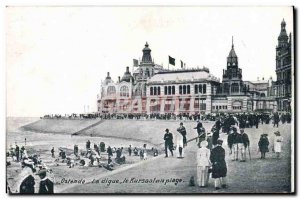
<point>111,90</point>
<point>155,91</point>
<point>158,90</point>
<point>200,88</point>
<point>166,90</point>
<point>180,89</point>
<point>173,90</point>
<point>204,89</point>
<point>124,91</point>
<point>196,89</point>
<point>235,88</point>
<point>188,89</point>
<point>151,90</point>
<point>184,89</point>
<point>169,90</point>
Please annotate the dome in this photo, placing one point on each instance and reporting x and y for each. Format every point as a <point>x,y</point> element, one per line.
<point>127,76</point>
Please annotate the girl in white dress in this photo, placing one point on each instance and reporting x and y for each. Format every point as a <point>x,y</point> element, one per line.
<point>277,143</point>
<point>203,164</point>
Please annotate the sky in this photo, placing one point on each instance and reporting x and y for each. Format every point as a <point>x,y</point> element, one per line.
<point>57,56</point>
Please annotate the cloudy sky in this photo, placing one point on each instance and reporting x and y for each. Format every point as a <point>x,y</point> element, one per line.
<point>56,57</point>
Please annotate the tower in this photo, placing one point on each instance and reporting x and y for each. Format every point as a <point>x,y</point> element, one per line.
<point>232,76</point>
<point>282,86</point>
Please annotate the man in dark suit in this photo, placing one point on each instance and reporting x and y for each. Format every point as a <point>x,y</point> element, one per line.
<point>219,168</point>
<point>46,185</point>
<point>168,137</point>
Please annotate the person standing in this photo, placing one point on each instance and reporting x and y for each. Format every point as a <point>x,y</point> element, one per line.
<point>179,146</point>
<point>52,152</point>
<point>243,142</point>
<point>203,164</point>
<point>76,150</point>
<point>263,145</point>
<point>88,145</point>
<point>168,137</point>
<point>276,119</point>
<point>182,131</point>
<point>17,153</point>
<point>129,150</point>
<point>219,168</point>
<point>46,185</point>
<point>233,143</point>
<point>277,144</point>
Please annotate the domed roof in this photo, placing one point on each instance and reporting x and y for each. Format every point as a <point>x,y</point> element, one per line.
<point>127,76</point>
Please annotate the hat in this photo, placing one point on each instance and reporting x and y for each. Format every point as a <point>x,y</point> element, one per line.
<point>204,143</point>
<point>181,123</point>
<point>42,172</point>
<point>167,130</point>
<point>198,120</point>
<point>277,133</point>
<point>219,141</point>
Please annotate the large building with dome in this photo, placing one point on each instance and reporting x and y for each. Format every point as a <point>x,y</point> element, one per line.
<point>150,88</point>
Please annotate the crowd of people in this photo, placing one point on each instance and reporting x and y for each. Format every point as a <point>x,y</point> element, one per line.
<point>90,156</point>
<point>211,154</point>
<point>246,120</point>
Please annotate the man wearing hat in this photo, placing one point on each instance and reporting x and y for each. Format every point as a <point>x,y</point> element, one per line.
<point>201,132</point>
<point>277,144</point>
<point>46,185</point>
<point>168,137</point>
<point>232,143</point>
<point>182,131</point>
<point>242,142</point>
<point>219,168</point>
<point>26,180</point>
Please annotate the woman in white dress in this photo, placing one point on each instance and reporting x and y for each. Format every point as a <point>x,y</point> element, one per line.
<point>203,164</point>
<point>277,143</point>
<point>179,146</point>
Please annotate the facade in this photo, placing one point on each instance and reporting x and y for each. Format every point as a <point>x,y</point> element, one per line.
<point>152,89</point>
<point>282,87</point>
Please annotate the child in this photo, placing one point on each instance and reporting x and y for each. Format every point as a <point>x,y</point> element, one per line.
<point>263,145</point>
<point>277,144</point>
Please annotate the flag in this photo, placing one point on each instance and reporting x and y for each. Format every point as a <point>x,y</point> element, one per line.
<point>135,63</point>
<point>181,63</point>
<point>171,61</point>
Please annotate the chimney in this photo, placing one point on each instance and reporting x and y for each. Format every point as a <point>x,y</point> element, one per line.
<point>119,78</point>
<point>127,69</point>
<point>107,74</point>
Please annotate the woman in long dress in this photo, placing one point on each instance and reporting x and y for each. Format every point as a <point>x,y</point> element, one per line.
<point>277,143</point>
<point>179,146</point>
<point>203,164</point>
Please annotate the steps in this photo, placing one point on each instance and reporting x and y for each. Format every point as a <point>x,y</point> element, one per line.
<point>89,127</point>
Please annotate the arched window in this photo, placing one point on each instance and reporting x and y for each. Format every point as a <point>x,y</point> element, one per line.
<point>184,89</point>
<point>124,91</point>
<point>262,95</point>
<point>200,88</point>
<point>155,91</point>
<point>158,90</point>
<point>180,89</point>
<point>151,90</point>
<point>166,90</point>
<point>169,90</point>
<point>204,89</point>
<point>111,90</point>
<point>173,90</point>
<point>188,89</point>
<point>196,89</point>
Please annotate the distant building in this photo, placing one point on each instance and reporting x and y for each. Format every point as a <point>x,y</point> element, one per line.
<point>282,87</point>
<point>154,89</point>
